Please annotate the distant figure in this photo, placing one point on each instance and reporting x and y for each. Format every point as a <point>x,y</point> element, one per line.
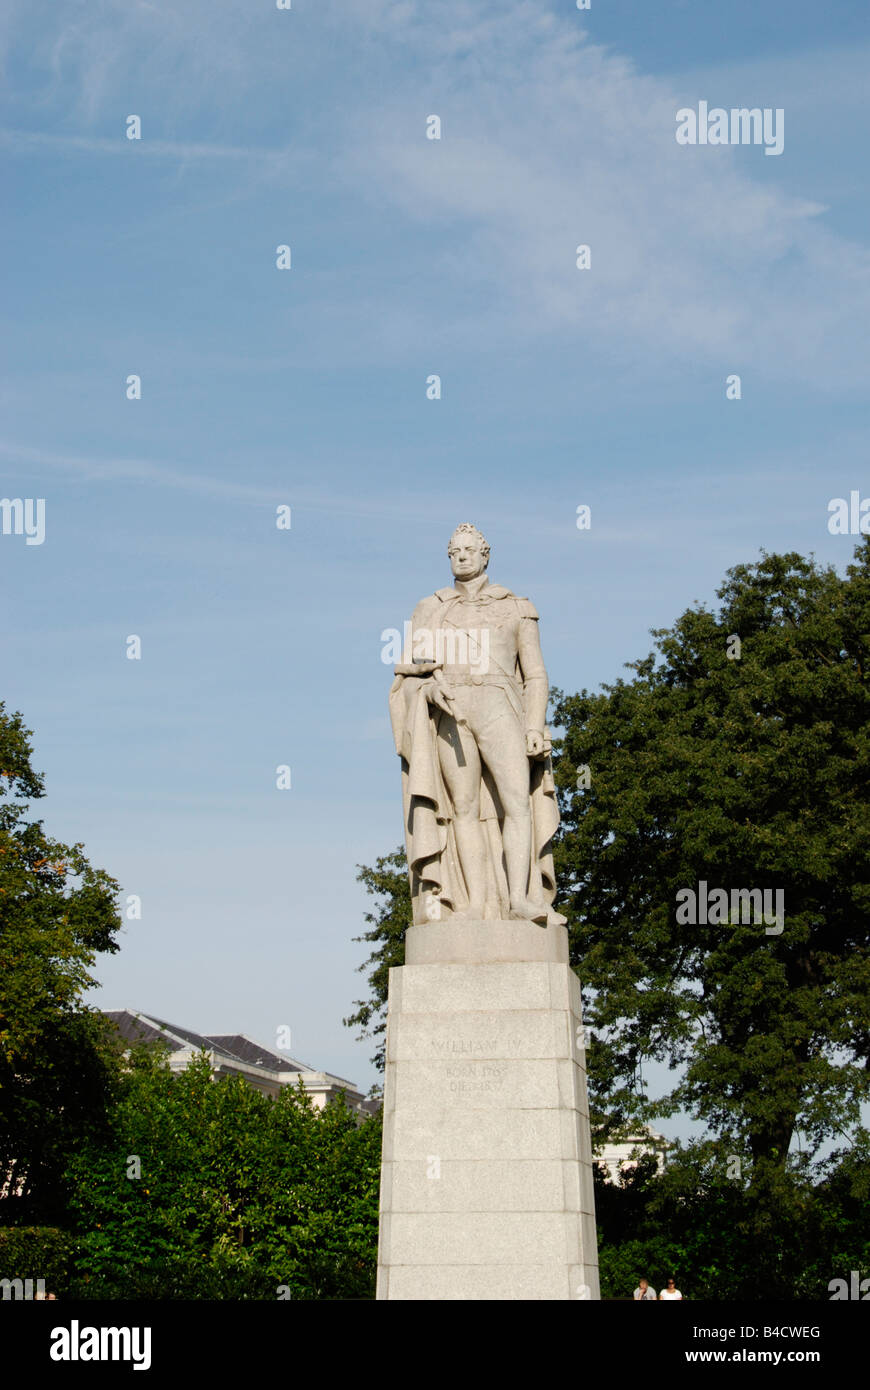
<point>643,1293</point>
<point>670,1291</point>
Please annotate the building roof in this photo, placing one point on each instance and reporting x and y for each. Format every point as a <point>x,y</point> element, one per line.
<point>254,1053</point>
<point>232,1047</point>
<point>134,1026</point>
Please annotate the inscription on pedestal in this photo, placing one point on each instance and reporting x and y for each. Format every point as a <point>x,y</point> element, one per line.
<point>475,1047</point>
<point>473,1078</point>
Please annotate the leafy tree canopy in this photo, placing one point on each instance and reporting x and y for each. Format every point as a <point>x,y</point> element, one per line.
<point>743,766</point>
<point>208,1188</point>
<point>57,913</point>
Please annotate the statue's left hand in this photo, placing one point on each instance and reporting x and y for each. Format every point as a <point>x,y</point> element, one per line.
<point>439,695</point>
<point>534,742</point>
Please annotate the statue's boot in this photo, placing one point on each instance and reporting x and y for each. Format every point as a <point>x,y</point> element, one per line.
<point>529,911</point>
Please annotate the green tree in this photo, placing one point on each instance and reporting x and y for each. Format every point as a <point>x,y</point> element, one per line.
<point>57,1060</point>
<point>701,1222</point>
<point>740,771</point>
<point>210,1189</point>
<point>737,772</point>
<point>387,881</point>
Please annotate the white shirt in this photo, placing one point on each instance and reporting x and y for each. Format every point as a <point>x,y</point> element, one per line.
<point>670,1295</point>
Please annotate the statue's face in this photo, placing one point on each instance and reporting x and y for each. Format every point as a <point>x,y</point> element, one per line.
<point>466,558</point>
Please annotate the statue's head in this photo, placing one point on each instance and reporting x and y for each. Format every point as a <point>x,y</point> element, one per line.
<point>468,551</point>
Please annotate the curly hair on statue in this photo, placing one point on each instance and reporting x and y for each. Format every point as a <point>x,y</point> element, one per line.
<point>465,528</point>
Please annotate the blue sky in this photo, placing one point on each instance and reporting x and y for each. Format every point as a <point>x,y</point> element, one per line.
<point>307,387</point>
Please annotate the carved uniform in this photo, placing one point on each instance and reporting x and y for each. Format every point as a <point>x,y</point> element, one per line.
<point>491,655</point>
<point>488,650</point>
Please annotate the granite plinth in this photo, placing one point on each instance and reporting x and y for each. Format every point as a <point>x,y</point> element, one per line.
<point>486,1185</point>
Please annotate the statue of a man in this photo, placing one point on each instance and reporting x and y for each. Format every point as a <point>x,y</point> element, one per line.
<point>468,708</point>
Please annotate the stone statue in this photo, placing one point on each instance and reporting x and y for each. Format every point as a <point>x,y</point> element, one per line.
<point>468,708</point>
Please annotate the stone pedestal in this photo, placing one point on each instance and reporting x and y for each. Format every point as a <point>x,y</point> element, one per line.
<point>486,1181</point>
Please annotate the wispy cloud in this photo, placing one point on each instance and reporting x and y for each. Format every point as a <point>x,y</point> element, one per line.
<point>699,255</point>
<point>32,142</point>
<point>116,469</point>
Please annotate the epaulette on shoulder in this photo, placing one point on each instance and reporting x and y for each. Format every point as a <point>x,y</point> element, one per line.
<point>527,609</point>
